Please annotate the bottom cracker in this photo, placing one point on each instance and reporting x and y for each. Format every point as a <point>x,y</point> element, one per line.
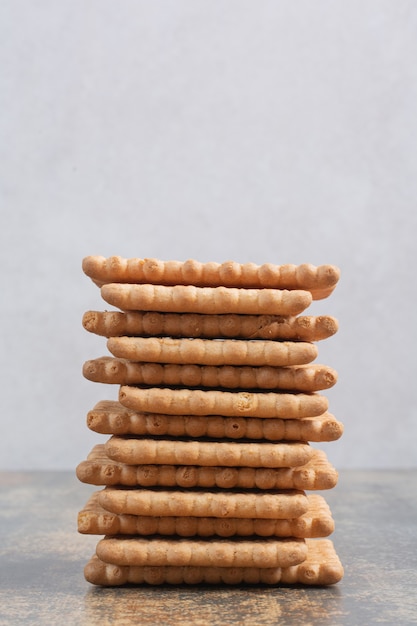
<point>321,567</point>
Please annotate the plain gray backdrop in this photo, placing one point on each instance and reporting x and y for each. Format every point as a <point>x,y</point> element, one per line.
<point>264,131</point>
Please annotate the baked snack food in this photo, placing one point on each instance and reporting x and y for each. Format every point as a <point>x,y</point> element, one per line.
<point>100,469</point>
<point>222,503</point>
<point>212,300</point>
<point>319,280</point>
<point>211,352</point>
<point>109,417</point>
<point>229,325</point>
<point>207,467</point>
<point>114,370</point>
<point>227,403</point>
<point>157,451</point>
<point>316,522</point>
<point>199,552</point>
<point>321,567</point>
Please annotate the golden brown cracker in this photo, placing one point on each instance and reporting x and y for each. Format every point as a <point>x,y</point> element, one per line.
<point>198,552</point>
<point>204,503</point>
<point>321,567</point>
<point>109,417</point>
<point>99,469</point>
<point>321,279</point>
<point>114,370</point>
<point>232,326</point>
<point>226,403</point>
<point>316,522</point>
<point>213,300</point>
<point>212,352</point>
<point>133,451</point>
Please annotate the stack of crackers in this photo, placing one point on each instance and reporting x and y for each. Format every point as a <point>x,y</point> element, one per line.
<point>208,475</point>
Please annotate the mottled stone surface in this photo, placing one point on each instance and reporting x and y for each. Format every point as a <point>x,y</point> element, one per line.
<point>42,557</point>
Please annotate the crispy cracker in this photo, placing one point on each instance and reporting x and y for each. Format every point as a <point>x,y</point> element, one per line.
<point>226,403</point>
<point>109,417</point>
<point>213,352</point>
<point>307,378</point>
<point>316,522</point>
<point>213,300</point>
<point>133,451</point>
<point>320,280</point>
<point>233,326</point>
<point>99,469</point>
<point>204,503</point>
<point>322,566</point>
<point>198,552</point>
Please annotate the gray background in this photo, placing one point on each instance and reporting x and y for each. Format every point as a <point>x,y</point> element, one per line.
<point>254,131</point>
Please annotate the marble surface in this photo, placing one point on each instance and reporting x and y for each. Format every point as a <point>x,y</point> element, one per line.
<point>42,557</point>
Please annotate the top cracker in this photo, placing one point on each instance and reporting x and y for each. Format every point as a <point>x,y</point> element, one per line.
<point>319,280</point>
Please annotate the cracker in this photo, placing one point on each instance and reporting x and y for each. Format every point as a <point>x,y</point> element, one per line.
<point>233,326</point>
<point>225,403</point>
<point>211,352</point>
<point>93,519</point>
<point>109,417</point>
<point>213,300</point>
<point>186,552</point>
<point>207,453</point>
<point>99,469</point>
<point>320,279</point>
<point>321,567</point>
<point>307,378</point>
<point>204,503</point>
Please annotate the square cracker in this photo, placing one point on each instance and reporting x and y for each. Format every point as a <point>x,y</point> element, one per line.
<point>99,469</point>
<point>112,418</point>
<point>322,566</point>
<point>93,519</point>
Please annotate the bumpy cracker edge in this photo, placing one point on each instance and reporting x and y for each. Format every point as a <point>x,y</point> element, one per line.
<point>320,280</point>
